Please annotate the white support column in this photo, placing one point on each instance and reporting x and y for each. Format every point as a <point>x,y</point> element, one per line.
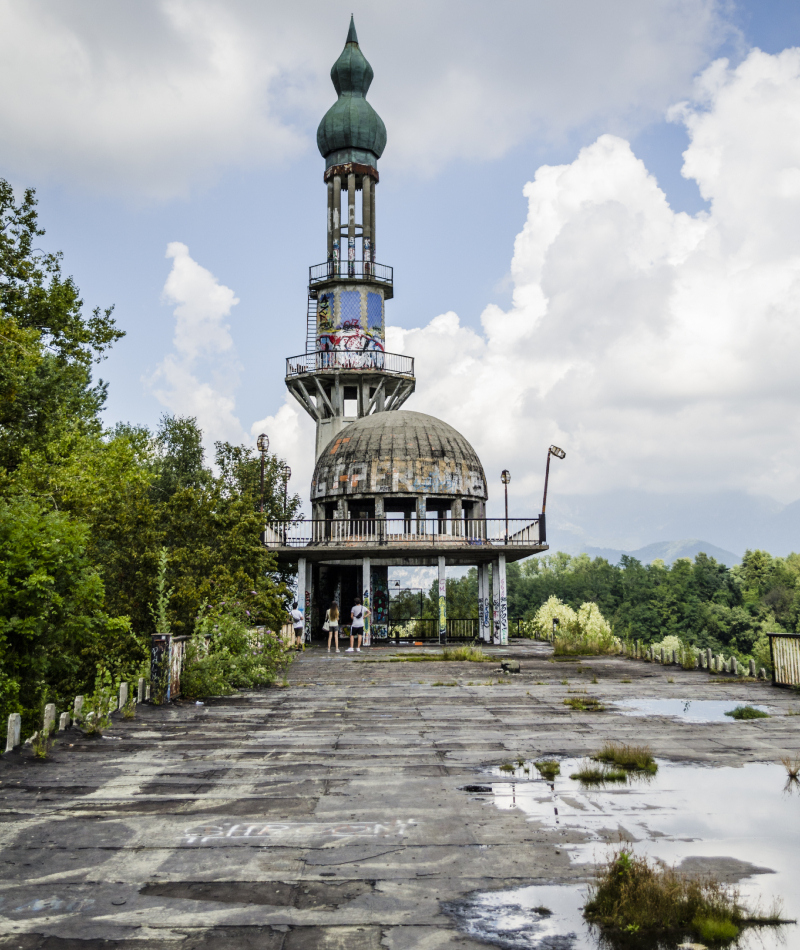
<point>301,591</point>
<point>307,576</point>
<point>484,603</point>
<point>496,602</point>
<point>442,600</point>
<point>366,598</point>
<point>501,564</point>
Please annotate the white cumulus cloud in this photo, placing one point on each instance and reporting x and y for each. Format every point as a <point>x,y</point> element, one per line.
<point>199,377</point>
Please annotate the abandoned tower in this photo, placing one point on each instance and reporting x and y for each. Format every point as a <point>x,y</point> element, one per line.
<point>391,487</point>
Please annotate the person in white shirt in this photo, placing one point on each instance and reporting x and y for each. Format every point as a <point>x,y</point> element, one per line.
<point>357,615</point>
<point>298,623</point>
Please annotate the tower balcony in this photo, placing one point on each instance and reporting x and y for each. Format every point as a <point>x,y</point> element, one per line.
<point>360,361</point>
<point>319,274</point>
<point>470,541</point>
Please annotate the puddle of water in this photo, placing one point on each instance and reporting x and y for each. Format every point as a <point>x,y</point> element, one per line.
<point>684,812</point>
<point>514,919</point>
<point>689,710</point>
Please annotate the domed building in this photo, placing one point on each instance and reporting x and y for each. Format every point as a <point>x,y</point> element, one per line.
<point>391,487</point>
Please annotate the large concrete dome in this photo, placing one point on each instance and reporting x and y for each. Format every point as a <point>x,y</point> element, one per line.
<point>398,453</point>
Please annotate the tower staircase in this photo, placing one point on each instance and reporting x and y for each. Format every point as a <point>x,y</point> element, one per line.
<point>311,324</point>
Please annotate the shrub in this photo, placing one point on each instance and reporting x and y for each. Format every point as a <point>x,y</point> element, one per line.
<point>97,708</point>
<point>583,633</point>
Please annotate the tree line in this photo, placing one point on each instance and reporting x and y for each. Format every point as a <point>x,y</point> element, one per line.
<point>86,510</point>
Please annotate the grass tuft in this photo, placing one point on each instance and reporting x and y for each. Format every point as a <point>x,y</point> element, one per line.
<point>792,766</point>
<point>632,895</point>
<point>747,712</point>
<point>507,767</point>
<point>585,703</point>
<point>590,774</point>
<point>548,768</point>
<point>632,758</point>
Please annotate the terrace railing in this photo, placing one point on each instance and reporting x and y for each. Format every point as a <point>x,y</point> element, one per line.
<point>321,360</point>
<point>403,532</point>
<point>350,270</point>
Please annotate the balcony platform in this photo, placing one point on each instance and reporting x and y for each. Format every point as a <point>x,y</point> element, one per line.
<point>332,271</point>
<point>400,542</point>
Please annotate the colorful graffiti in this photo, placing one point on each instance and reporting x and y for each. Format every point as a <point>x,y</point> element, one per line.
<point>324,315</point>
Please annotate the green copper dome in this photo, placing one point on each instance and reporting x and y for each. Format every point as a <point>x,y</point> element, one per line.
<point>351,130</point>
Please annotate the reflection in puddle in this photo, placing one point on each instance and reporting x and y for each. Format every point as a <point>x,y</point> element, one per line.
<point>690,710</point>
<point>739,824</point>
<point>516,918</point>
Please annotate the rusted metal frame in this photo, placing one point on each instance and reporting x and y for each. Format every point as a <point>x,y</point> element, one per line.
<point>322,393</point>
<point>351,168</point>
<point>306,402</point>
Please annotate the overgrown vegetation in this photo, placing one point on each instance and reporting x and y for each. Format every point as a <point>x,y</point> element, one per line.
<point>85,511</point>
<point>585,703</point>
<point>635,896</point>
<point>591,774</point>
<point>548,768</point>
<point>747,712</point>
<point>632,758</point>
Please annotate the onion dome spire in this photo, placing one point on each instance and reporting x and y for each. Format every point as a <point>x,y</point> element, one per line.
<point>351,130</point>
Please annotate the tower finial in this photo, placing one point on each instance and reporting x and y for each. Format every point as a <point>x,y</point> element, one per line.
<point>352,36</point>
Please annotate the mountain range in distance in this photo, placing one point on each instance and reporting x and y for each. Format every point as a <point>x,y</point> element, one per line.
<point>668,552</point>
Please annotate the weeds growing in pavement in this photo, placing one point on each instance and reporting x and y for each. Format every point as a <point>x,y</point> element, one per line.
<point>792,765</point>
<point>747,712</point>
<point>590,774</point>
<point>634,895</point>
<point>632,758</point>
<point>548,768</point>
<point>507,767</point>
<point>585,703</point>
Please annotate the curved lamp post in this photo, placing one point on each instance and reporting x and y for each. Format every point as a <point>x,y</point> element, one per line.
<point>559,454</point>
<point>505,478</point>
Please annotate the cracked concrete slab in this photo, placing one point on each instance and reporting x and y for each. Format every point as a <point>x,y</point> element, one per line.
<point>333,813</point>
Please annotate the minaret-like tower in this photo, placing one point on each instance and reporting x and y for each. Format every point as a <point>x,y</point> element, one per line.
<point>345,372</point>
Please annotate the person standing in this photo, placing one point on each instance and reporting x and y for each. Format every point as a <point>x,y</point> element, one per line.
<point>332,625</point>
<point>357,615</point>
<point>298,623</point>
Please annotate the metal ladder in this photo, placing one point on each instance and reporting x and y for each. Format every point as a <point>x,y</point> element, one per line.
<point>311,325</point>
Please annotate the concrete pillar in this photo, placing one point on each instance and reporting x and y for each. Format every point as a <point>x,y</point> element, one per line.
<point>366,598</point>
<point>337,219</point>
<point>14,729</point>
<point>495,602</point>
<point>77,708</point>
<point>372,216</point>
<point>752,670</point>
<point>366,219</point>
<point>442,600</point>
<point>307,577</point>
<point>123,694</point>
<point>422,514</point>
<point>762,673</point>
<point>140,690</point>
<point>330,220</point>
<point>708,658</point>
<point>63,722</point>
<point>501,564</point>
<point>147,692</point>
<point>351,224</point>
<point>484,603</point>
<point>49,718</point>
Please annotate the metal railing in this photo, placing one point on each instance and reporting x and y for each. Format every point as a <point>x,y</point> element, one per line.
<point>321,360</point>
<point>350,270</point>
<point>404,532</point>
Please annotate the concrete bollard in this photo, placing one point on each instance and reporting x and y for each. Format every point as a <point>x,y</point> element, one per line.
<point>762,673</point>
<point>140,690</point>
<point>14,730</point>
<point>77,708</point>
<point>708,651</point>
<point>697,661</point>
<point>734,666</point>
<point>63,722</point>
<point>752,670</point>
<point>49,718</point>
<point>147,688</point>
<point>123,694</point>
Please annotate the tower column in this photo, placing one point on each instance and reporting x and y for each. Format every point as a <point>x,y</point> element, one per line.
<point>366,221</point>
<point>351,224</point>
<point>500,601</point>
<point>442,600</point>
<point>366,597</point>
<point>484,599</point>
<point>330,221</point>
<point>337,219</point>
<point>372,215</point>
<point>304,593</point>
<point>496,601</point>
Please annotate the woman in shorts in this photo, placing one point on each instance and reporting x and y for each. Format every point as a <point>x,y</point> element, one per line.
<point>332,624</point>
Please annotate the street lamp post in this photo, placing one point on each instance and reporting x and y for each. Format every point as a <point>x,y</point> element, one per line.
<point>559,454</point>
<point>505,478</point>
<point>263,447</point>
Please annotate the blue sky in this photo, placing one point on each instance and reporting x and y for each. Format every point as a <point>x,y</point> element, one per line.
<point>450,202</point>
